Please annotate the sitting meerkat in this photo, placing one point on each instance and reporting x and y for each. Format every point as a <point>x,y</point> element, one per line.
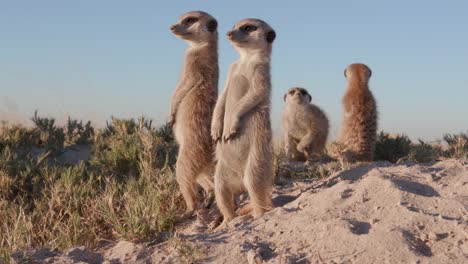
<point>359,129</point>
<point>305,126</point>
<point>192,107</point>
<point>241,122</point>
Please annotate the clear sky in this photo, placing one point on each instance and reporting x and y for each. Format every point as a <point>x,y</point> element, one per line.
<point>93,59</point>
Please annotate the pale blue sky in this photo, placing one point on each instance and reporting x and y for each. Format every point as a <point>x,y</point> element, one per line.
<point>94,59</point>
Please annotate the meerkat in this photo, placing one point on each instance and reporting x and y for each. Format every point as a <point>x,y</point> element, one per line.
<point>359,128</point>
<point>192,106</point>
<point>305,126</point>
<point>241,122</point>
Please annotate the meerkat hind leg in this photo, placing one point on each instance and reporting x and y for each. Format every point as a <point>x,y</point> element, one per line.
<point>311,155</point>
<point>186,172</point>
<point>258,188</point>
<point>224,193</point>
<point>292,153</point>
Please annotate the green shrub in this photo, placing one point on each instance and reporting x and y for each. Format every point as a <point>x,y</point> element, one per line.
<point>391,148</point>
<point>16,136</point>
<point>126,144</point>
<point>78,133</point>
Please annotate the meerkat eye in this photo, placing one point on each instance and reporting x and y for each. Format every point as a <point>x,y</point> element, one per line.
<point>190,20</point>
<point>303,92</point>
<point>291,92</point>
<point>248,28</point>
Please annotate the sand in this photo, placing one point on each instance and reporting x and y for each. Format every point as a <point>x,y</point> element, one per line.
<point>377,213</point>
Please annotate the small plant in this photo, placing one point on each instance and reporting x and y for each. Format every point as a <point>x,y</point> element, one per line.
<point>391,148</point>
<point>423,152</point>
<point>48,135</point>
<point>457,145</point>
<point>188,251</point>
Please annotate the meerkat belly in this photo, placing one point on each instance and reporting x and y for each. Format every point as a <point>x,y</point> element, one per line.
<point>298,126</point>
<point>255,133</point>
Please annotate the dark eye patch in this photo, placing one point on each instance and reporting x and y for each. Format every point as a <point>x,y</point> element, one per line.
<point>291,92</point>
<point>248,28</point>
<point>303,92</point>
<point>190,20</point>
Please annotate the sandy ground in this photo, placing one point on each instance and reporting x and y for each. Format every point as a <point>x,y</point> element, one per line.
<point>378,213</point>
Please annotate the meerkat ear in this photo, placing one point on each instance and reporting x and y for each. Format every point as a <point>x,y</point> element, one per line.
<point>284,97</point>
<point>370,73</point>
<point>345,73</point>
<point>212,25</point>
<point>310,97</point>
<point>271,35</point>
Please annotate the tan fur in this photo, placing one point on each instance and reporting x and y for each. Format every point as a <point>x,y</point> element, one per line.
<point>192,106</point>
<point>305,126</point>
<point>359,129</point>
<point>241,122</point>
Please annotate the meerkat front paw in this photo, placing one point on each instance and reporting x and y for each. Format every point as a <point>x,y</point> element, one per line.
<point>216,131</point>
<point>231,133</point>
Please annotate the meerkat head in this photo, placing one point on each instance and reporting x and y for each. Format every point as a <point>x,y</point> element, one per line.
<point>196,27</point>
<point>297,95</point>
<point>359,72</point>
<point>252,34</point>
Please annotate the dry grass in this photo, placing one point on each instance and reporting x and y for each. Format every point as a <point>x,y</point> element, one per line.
<point>127,191</point>
<point>323,168</point>
<point>457,145</point>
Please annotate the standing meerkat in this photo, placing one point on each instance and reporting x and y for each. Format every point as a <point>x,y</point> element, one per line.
<point>305,126</point>
<point>359,129</point>
<point>241,122</point>
<point>192,107</point>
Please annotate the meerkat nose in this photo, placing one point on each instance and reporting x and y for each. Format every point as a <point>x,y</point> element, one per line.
<point>229,34</point>
<point>173,27</point>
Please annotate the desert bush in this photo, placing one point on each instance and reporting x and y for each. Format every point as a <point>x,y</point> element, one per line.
<point>457,145</point>
<point>15,136</point>
<point>78,133</point>
<point>391,148</point>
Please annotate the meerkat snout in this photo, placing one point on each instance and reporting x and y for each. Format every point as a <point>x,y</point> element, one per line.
<point>299,95</point>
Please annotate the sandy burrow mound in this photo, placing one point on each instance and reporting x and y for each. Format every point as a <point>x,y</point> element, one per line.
<point>378,213</point>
